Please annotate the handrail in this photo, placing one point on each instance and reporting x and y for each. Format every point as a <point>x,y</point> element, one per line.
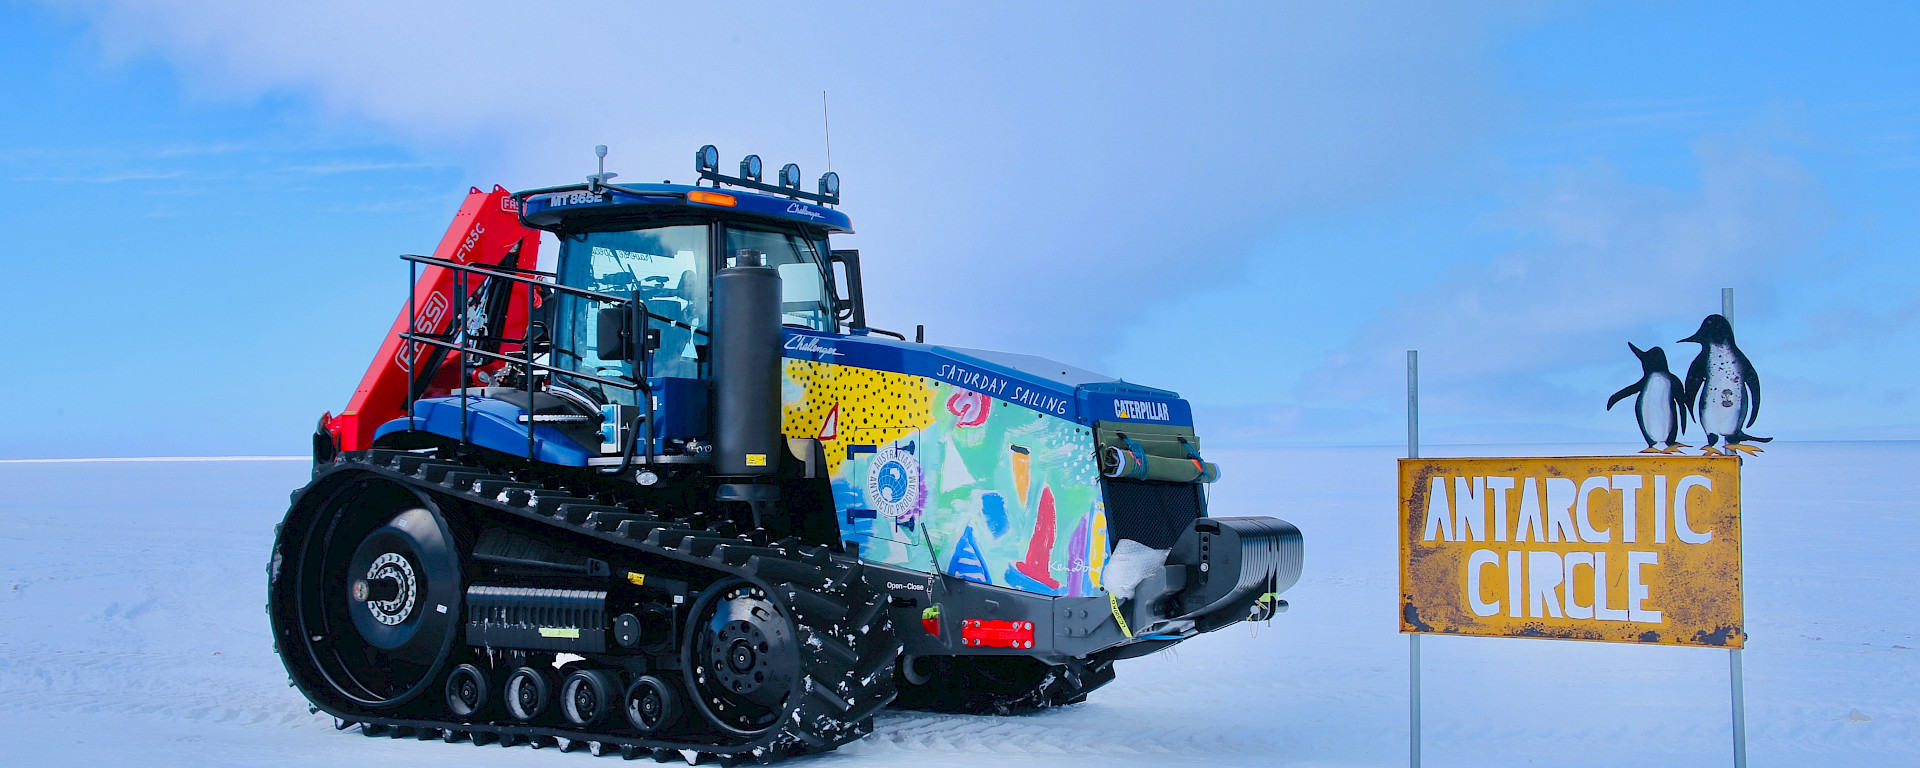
<point>465,348</point>
<point>567,289</point>
<point>451,264</point>
<point>425,339</point>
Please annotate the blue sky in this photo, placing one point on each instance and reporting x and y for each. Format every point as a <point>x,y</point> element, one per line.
<point>1259,206</point>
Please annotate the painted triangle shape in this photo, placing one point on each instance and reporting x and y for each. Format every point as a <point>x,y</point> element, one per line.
<point>967,563</point>
<point>830,429</point>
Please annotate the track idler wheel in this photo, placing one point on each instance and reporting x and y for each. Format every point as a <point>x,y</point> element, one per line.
<point>469,691</point>
<point>527,692</point>
<point>653,705</point>
<point>589,696</point>
<point>368,609</point>
<point>742,660</point>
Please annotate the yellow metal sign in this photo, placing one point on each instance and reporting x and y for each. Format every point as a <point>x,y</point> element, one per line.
<point>1622,549</point>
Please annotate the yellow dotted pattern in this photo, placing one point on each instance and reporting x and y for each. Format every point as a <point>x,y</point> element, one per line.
<point>876,407</point>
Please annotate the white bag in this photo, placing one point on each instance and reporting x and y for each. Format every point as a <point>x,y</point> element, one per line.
<point>1130,564</point>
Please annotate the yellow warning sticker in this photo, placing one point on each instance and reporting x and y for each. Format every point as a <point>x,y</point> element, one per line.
<point>756,459</point>
<point>637,579</point>
<point>566,632</point>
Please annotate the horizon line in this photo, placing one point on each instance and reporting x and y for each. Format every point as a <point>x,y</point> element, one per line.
<point>154,458</point>
<point>1228,446</point>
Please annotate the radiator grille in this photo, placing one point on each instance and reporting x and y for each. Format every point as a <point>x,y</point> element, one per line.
<point>1152,513</point>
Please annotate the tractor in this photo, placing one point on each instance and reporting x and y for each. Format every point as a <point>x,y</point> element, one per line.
<point>673,496</point>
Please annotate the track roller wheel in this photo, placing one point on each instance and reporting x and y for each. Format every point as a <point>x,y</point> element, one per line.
<point>587,697</point>
<point>527,692</point>
<point>469,691</point>
<point>653,705</point>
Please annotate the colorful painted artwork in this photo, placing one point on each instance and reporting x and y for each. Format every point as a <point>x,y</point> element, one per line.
<point>936,477</point>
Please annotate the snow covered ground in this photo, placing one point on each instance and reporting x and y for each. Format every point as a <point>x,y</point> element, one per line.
<point>131,630</point>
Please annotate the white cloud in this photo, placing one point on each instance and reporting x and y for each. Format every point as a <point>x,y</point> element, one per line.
<point>1615,261</point>
<point>1021,174</point>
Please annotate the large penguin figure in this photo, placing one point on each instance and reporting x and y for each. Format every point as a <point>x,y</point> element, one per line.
<point>1660,408</point>
<point>1722,388</point>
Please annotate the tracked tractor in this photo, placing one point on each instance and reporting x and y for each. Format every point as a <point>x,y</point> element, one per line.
<point>674,497</point>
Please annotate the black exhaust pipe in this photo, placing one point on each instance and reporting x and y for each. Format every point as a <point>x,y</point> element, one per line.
<point>746,368</point>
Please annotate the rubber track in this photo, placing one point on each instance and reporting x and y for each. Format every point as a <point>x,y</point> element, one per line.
<point>848,677</point>
<point>952,690</point>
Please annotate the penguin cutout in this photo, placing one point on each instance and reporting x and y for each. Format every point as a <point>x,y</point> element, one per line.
<point>1660,407</point>
<point>1722,388</point>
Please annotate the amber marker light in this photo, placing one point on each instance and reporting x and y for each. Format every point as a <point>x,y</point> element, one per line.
<point>710,198</point>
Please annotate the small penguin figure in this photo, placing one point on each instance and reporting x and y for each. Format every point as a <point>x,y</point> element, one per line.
<point>1722,388</point>
<point>1660,408</point>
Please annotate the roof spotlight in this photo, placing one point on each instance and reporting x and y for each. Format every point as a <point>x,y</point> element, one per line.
<point>790,176</point>
<point>830,184</point>
<point>707,159</point>
<point>750,168</point>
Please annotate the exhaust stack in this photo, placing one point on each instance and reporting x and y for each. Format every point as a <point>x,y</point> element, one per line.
<point>746,367</point>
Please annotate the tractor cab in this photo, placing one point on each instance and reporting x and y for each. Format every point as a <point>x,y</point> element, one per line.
<point>657,248</point>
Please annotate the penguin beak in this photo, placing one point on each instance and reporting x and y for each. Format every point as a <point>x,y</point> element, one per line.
<point>1695,338</point>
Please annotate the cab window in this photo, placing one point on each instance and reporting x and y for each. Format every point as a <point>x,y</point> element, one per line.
<point>806,285</point>
<point>664,266</point>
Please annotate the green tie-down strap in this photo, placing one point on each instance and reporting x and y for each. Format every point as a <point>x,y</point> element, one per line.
<point>1152,452</point>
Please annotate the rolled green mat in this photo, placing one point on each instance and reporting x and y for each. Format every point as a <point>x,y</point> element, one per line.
<point>1117,461</point>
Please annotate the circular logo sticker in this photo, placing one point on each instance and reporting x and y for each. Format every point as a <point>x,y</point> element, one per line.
<point>893,482</point>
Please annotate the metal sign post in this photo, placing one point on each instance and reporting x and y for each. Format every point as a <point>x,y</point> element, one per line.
<point>1413,638</point>
<point>1735,667</point>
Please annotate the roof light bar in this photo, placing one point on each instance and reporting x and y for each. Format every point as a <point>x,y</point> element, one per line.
<point>706,161</point>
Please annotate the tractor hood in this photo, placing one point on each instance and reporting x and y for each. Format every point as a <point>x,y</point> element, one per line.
<point>1036,383</point>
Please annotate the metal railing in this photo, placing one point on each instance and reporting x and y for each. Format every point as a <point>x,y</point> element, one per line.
<point>457,339</point>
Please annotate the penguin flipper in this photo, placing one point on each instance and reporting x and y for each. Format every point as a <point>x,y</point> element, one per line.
<point>1750,378</point>
<point>1742,437</point>
<point>1622,394</point>
<point>1697,381</point>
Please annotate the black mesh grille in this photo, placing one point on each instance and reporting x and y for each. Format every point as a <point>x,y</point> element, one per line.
<point>1152,513</point>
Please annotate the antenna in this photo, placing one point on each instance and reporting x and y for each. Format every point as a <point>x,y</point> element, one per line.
<point>597,179</point>
<point>828,126</point>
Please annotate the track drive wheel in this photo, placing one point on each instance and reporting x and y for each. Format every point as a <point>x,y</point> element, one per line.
<point>365,599</point>
<point>742,659</point>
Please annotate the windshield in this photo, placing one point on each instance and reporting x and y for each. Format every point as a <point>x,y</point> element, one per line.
<point>805,282</point>
<point>667,267</point>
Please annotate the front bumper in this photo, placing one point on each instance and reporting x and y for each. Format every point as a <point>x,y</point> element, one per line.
<point>1221,571</point>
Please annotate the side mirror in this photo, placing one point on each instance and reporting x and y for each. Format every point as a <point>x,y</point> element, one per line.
<point>623,333</point>
<point>853,305</point>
